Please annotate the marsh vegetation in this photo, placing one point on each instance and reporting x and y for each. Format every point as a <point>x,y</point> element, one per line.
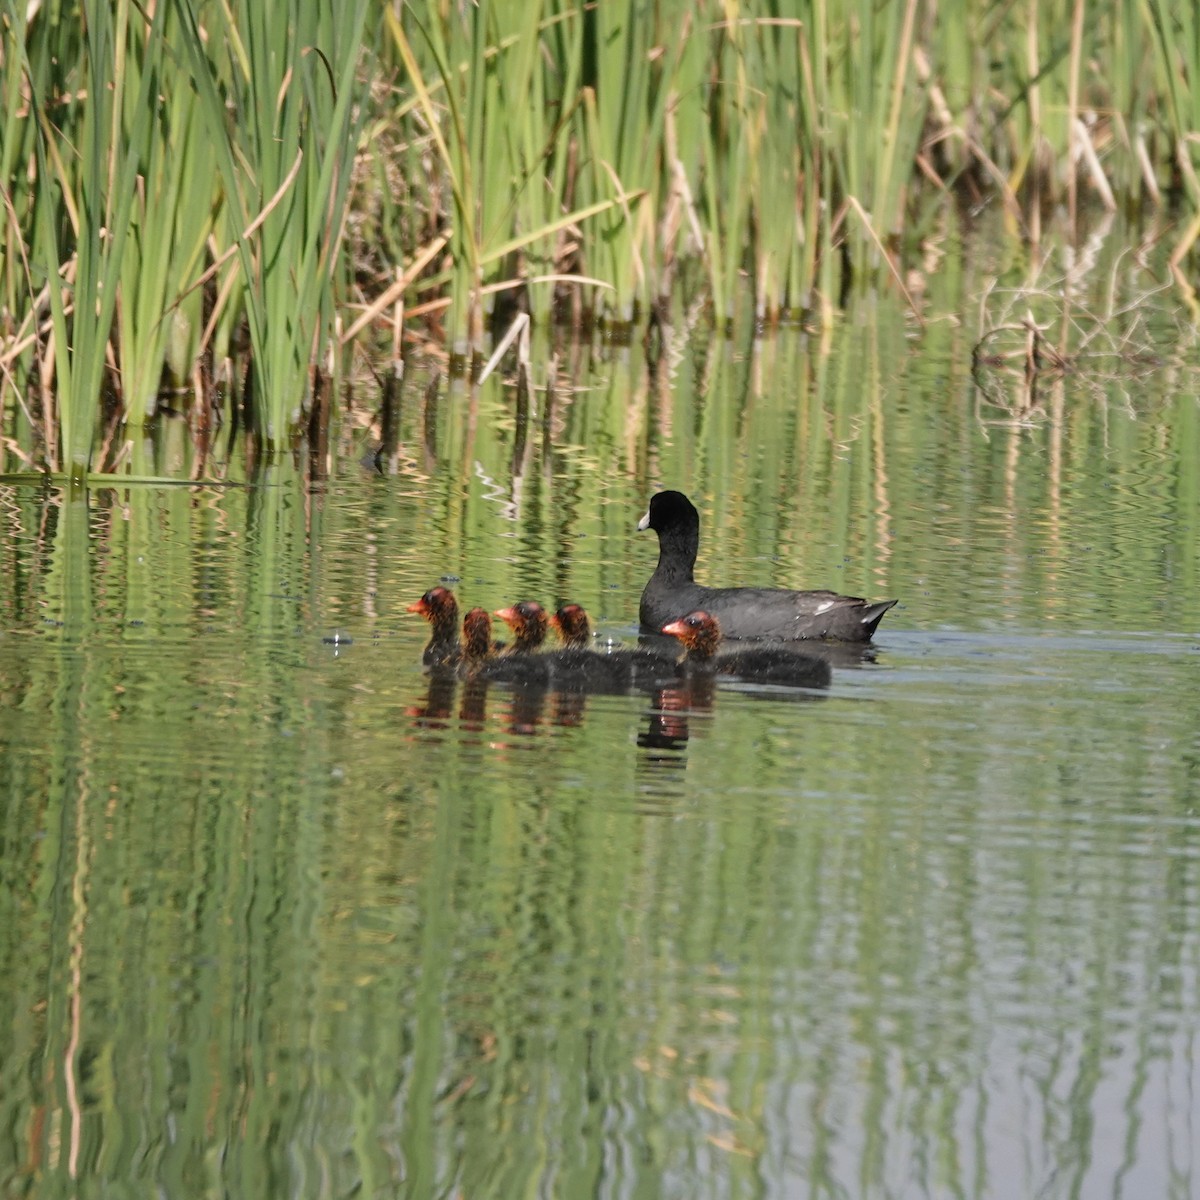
<point>230,211</point>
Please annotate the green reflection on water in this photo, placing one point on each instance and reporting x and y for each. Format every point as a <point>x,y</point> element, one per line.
<point>276,918</point>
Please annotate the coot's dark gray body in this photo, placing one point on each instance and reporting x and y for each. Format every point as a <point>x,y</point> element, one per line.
<point>672,591</point>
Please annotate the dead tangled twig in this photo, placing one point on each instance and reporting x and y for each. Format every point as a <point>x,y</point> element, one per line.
<point>1040,333</point>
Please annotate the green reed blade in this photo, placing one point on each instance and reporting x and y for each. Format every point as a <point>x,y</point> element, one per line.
<point>101,197</point>
<point>454,160</point>
<point>171,222</point>
<point>285,165</point>
<point>1176,34</point>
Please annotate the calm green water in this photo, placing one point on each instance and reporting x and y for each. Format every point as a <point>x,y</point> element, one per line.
<point>278,919</point>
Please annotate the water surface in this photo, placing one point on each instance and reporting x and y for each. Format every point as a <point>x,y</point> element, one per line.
<point>280,915</point>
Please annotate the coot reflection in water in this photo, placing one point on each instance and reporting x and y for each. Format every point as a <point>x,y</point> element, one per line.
<point>433,711</point>
<point>536,689</point>
<point>668,729</point>
<point>522,707</point>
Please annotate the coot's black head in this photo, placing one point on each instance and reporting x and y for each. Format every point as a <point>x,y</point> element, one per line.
<point>699,632</point>
<point>670,511</point>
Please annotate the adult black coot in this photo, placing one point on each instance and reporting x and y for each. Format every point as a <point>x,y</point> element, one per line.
<point>440,609</point>
<point>743,612</point>
<point>700,633</point>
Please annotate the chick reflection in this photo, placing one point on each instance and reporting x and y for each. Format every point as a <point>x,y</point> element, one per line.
<point>668,727</point>
<point>569,708</point>
<point>536,688</point>
<point>472,708</point>
<point>525,709</point>
<point>434,711</point>
<point>522,708</point>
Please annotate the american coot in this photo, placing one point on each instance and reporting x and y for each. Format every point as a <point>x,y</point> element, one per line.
<point>520,663</point>
<point>531,669</point>
<point>700,633</point>
<point>572,624</point>
<point>528,622</point>
<point>574,668</point>
<point>477,638</point>
<point>478,649</point>
<point>605,670</point>
<point>672,591</point>
<point>440,609</point>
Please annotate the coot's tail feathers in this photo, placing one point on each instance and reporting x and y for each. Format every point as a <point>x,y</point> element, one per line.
<point>871,615</point>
